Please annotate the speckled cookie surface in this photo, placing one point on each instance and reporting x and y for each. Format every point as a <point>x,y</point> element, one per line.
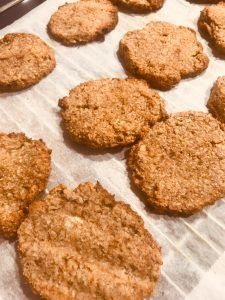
<point>139,6</point>
<point>83,21</point>
<point>216,102</point>
<point>24,171</point>
<point>82,244</point>
<point>110,112</point>
<point>163,54</point>
<point>180,163</point>
<point>24,60</point>
<point>212,23</point>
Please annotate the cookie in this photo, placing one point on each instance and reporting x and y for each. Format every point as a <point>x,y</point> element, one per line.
<point>24,171</point>
<point>212,23</point>
<point>205,1</point>
<point>180,164</point>
<point>107,113</point>
<point>24,60</point>
<point>163,54</point>
<point>83,21</point>
<point>82,244</point>
<point>139,6</point>
<point>216,102</point>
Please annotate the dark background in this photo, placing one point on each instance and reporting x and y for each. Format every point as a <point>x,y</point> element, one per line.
<point>16,11</point>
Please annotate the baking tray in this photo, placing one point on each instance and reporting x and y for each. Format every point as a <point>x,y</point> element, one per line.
<point>193,248</point>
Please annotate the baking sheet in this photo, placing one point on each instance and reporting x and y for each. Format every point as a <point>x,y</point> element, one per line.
<point>193,248</point>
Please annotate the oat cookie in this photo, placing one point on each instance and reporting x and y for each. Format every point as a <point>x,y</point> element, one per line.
<point>139,6</point>
<point>24,60</point>
<point>83,21</point>
<point>163,54</point>
<point>212,23</point>
<point>180,163</point>
<point>24,171</point>
<point>82,244</point>
<point>216,102</point>
<point>107,113</point>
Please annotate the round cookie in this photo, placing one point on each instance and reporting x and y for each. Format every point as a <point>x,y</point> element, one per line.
<point>212,24</point>
<point>205,1</point>
<point>180,164</point>
<point>216,102</point>
<point>24,171</point>
<point>83,21</point>
<point>139,6</point>
<point>24,60</point>
<point>108,113</point>
<point>163,54</point>
<point>82,244</point>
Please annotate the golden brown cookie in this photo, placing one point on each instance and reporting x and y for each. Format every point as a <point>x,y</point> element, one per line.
<point>163,54</point>
<point>212,23</point>
<point>180,163</point>
<point>205,1</point>
<point>24,60</point>
<point>107,113</point>
<point>139,6</point>
<point>24,171</point>
<point>216,102</point>
<point>82,244</point>
<point>83,21</point>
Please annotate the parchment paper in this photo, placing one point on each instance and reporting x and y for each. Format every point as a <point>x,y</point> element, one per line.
<point>193,248</point>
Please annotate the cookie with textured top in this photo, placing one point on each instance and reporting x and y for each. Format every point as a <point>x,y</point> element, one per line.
<point>24,60</point>
<point>180,164</point>
<point>216,102</point>
<point>205,1</point>
<point>139,6</point>
<point>82,244</point>
<point>83,21</point>
<point>212,24</point>
<point>107,113</point>
<point>24,171</point>
<point>163,54</point>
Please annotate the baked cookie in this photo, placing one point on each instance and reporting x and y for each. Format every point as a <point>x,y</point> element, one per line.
<point>24,60</point>
<point>212,23</point>
<point>205,1</point>
<point>107,113</point>
<point>24,171</point>
<point>139,6</point>
<point>216,102</point>
<point>163,54</point>
<point>82,244</point>
<point>180,163</point>
<point>83,21</point>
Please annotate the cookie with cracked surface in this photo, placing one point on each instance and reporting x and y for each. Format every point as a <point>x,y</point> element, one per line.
<point>82,244</point>
<point>180,164</point>
<point>24,171</point>
<point>212,24</point>
<point>83,21</point>
<point>162,54</point>
<point>216,102</point>
<point>107,113</point>
<point>139,6</point>
<point>24,60</point>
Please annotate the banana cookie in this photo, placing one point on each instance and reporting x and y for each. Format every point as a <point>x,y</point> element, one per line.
<point>180,164</point>
<point>83,21</point>
<point>24,60</point>
<point>24,171</point>
<point>139,6</point>
<point>107,113</point>
<point>163,54</point>
<point>82,244</point>
<point>212,23</point>
<point>216,102</point>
